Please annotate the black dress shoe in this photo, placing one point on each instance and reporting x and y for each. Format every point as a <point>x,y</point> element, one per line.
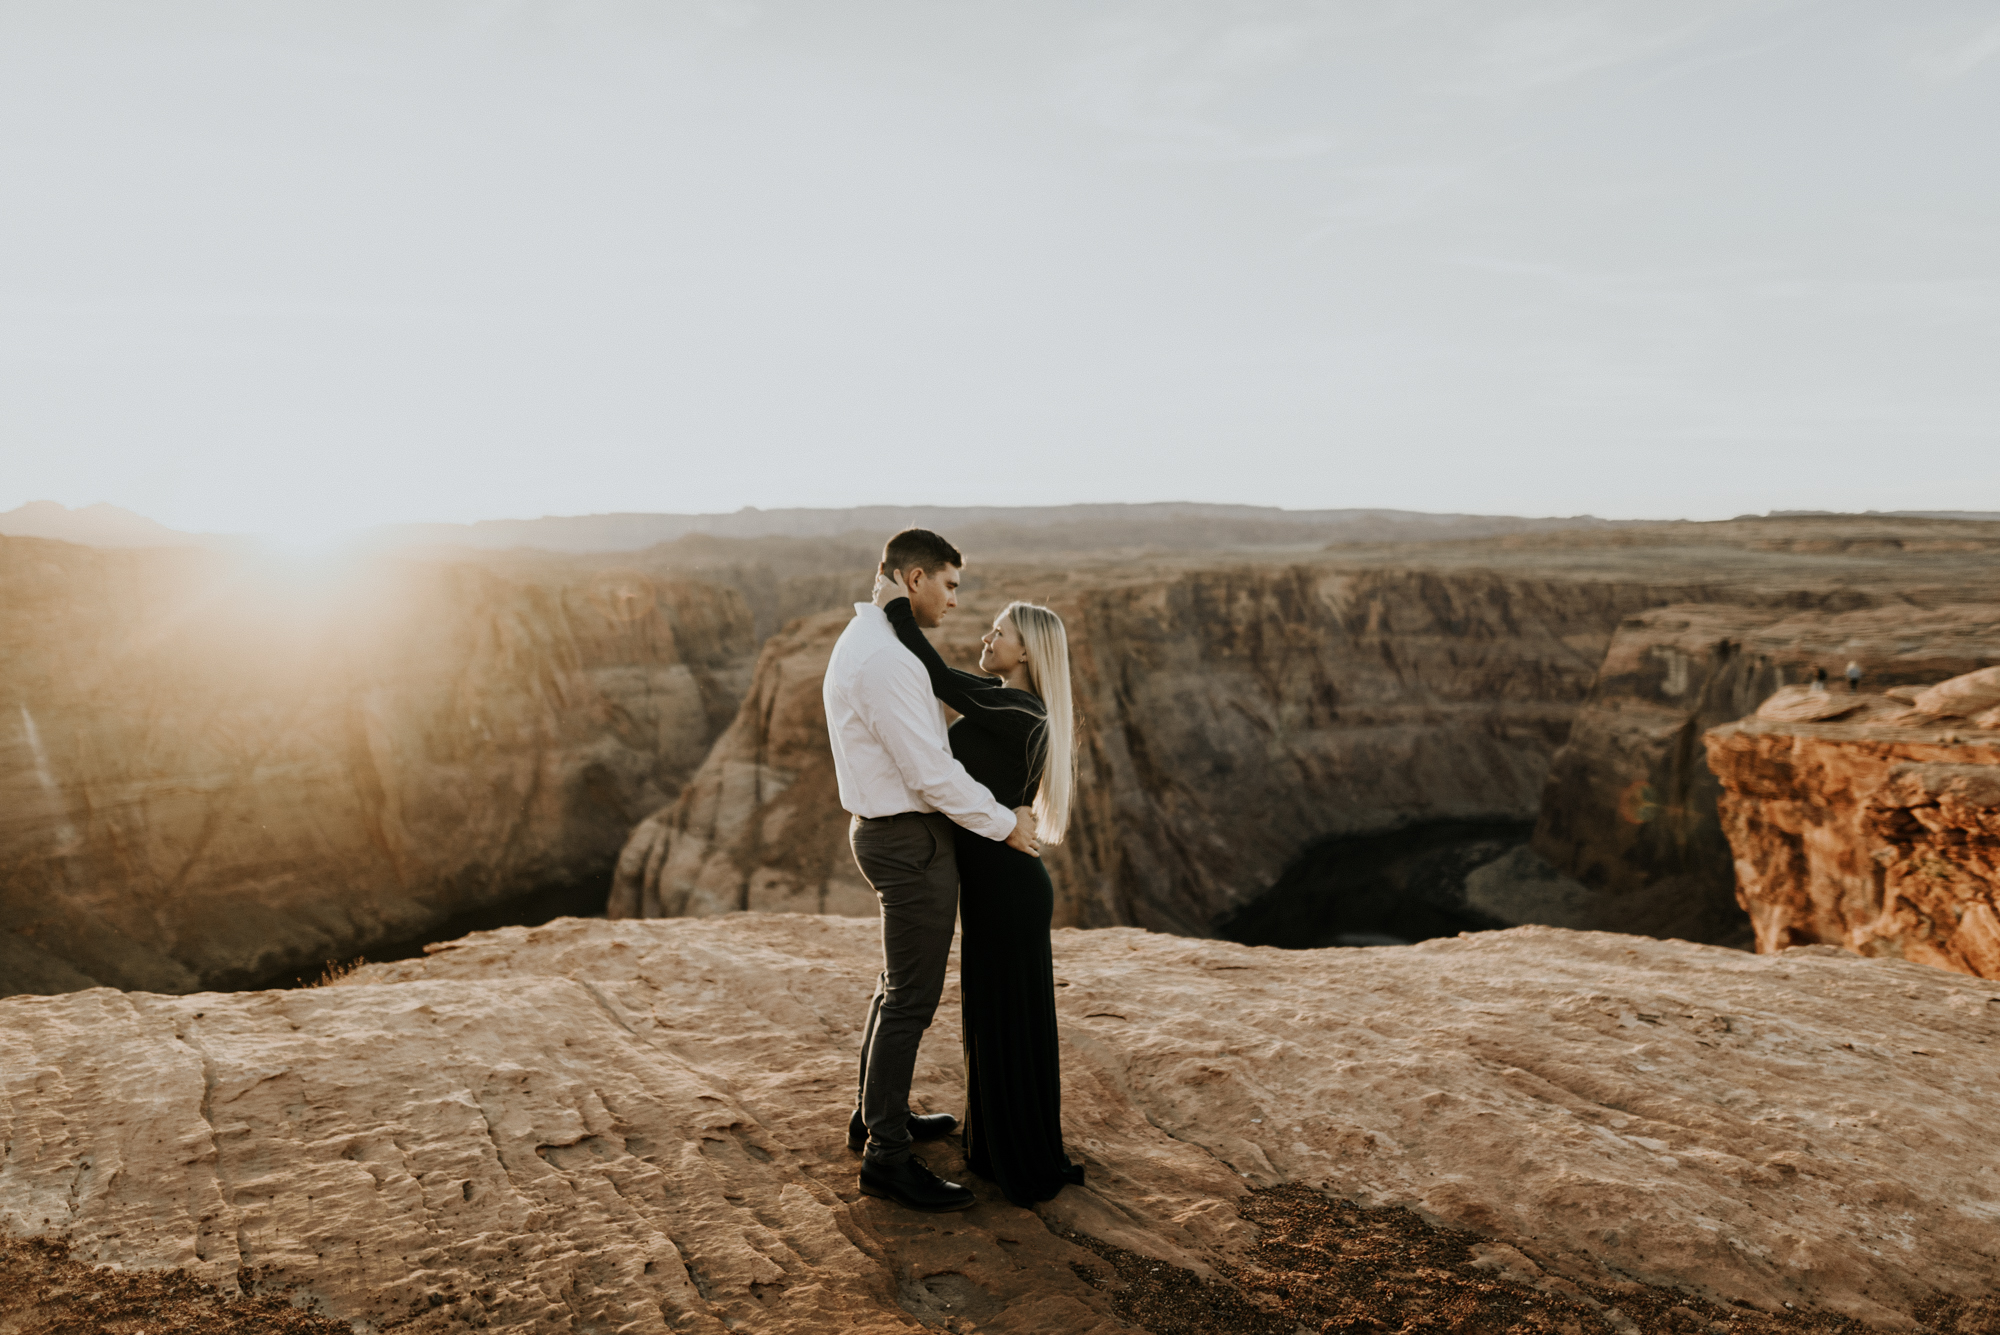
<point>923,1126</point>
<point>911,1184</point>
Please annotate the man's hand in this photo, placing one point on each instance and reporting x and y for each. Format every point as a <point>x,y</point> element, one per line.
<point>889,587</point>
<point>1023,836</point>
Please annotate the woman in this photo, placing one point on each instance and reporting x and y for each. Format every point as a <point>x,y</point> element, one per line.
<point>1016,735</point>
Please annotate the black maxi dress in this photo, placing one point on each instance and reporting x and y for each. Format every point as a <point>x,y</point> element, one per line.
<point>1013,1068</point>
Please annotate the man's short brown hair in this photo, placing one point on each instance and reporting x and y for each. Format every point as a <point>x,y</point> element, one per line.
<point>919,549</point>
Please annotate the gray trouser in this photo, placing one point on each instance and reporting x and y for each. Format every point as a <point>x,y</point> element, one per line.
<point>911,863</point>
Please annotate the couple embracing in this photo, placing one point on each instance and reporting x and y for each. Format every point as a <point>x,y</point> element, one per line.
<point>949,823</point>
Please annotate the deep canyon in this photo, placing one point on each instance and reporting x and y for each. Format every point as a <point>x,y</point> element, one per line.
<point>222,774</point>
<point>219,775</point>
<point>1256,727</point>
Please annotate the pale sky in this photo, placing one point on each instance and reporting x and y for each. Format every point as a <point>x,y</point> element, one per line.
<point>296,268</point>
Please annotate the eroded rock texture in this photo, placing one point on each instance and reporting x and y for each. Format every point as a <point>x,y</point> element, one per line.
<point>640,1125</point>
<point>760,825</point>
<point>1230,718</point>
<point>1630,809</point>
<point>1882,837</point>
<point>213,771</point>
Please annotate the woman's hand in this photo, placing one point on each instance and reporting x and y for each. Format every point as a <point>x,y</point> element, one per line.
<point>888,588</point>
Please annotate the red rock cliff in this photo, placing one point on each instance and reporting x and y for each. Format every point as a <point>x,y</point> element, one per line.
<point>1631,803</point>
<point>1879,836</point>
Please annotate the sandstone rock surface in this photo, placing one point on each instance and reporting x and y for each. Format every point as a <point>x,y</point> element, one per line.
<point>760,825</point>
<point>1879,837</point>
<point>1814,704</point>
<point>214,770</point>
<point>1964,696</point>
<point>1630,809</point>
<point>639,1125</point>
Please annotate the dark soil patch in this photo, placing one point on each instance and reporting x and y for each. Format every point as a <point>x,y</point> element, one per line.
<point>44,1292</point>
<point>1330,1267</point>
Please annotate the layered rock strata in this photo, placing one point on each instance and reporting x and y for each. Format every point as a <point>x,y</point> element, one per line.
<point>779,579</point>
<point>640,1126</point>
<point>1630,808</point>
<point>1877,831</point>
<point>1229,719</point>
<point>213,771</point>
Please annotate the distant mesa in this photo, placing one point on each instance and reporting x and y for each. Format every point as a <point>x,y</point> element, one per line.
<point>990,531</point>
<point>1884,514</point>
<point>97,525</point>
<point>1166,525</point>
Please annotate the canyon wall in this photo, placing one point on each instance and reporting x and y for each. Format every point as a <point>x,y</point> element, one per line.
<point>1630,808</point>
<point>1231,717</point>
<point>1879,834</point>
<point>780,579</point>
<point>213,771</point>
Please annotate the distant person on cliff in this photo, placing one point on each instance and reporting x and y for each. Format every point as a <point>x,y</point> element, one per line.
<point>1853,676</point>
<point>907,795</point>
<point>1819,679</point>
<point>1016,735</point>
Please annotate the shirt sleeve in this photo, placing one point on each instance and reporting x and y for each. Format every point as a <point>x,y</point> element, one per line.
<point>982,700</point>
<point>892,700</point>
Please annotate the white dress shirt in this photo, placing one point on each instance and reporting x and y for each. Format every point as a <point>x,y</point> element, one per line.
<point>888,733</point>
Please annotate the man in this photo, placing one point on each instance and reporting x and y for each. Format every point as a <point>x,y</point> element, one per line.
<point>899,781</point>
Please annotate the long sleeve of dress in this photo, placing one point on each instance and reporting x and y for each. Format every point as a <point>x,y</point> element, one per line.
<point>986,701</point>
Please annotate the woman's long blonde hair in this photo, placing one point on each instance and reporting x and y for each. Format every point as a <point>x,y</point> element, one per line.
<point>1041,632</point>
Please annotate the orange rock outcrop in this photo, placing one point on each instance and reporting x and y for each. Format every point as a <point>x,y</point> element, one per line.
<point>1869,823</point>
<point>1631,806</point>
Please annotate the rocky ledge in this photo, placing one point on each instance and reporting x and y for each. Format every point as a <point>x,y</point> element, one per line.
<point>1870,821</point>
<point>639,1126</point>
<point>1631,806</point>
